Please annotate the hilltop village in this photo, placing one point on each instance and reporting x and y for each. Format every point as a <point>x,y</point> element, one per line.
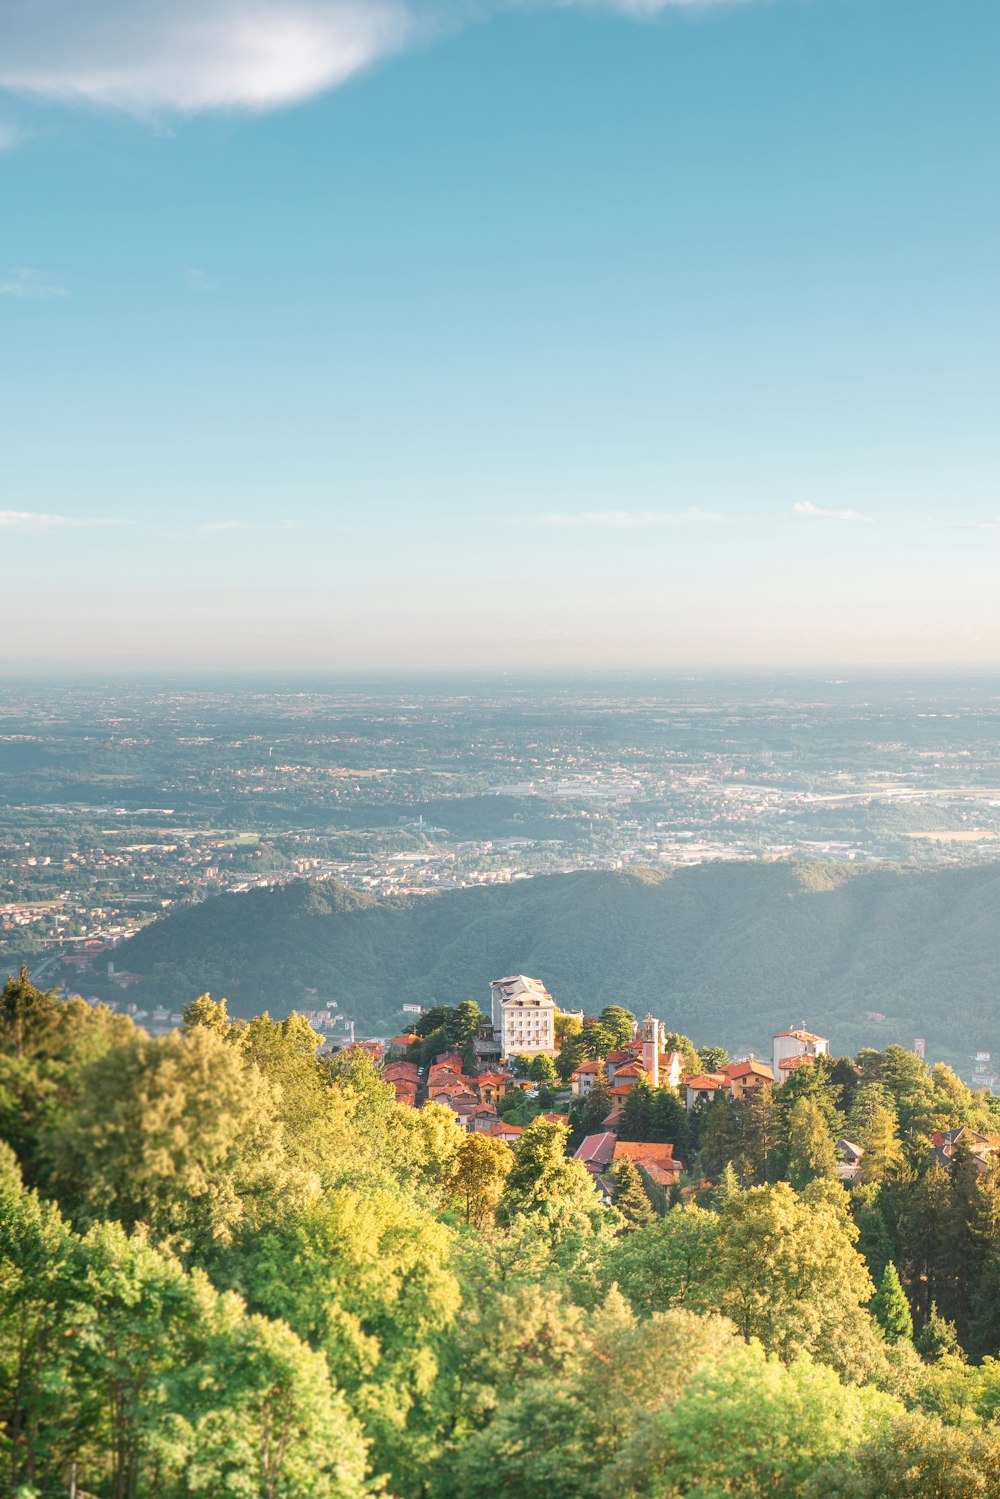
<point>626,1091</point>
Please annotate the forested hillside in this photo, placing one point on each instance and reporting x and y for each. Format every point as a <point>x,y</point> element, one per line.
<point>729,952</point>
<point>232,1266</point>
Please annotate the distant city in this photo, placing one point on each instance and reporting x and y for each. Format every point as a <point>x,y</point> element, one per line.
<point>121,801</point>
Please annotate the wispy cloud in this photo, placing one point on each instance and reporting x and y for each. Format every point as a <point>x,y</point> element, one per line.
<point>815,512</point>
<point>10,136</point>
<point>32,521</point>
<point>151,57</point>
<point>30,285</point>
<point>977,525</point>
<point>629,520</point>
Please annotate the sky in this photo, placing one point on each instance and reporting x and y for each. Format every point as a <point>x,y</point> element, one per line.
<point>392,334</point>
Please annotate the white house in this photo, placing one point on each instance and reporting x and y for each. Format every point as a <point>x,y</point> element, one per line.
<point>524,1015</point>
<point>789,1049</point>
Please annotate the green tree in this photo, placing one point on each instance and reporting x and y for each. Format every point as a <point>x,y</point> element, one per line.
<point>938,1338</point>
<point>787,1272</point>
<point>482,1167</point>
<point>24,1011</point>
<point>890,1307</point>
<point>811,1155</point>
<point>618,1024</point>
<point>212,1013</point>
<point>597,1107</point>
<point>177,1134</point>
<point>542,1069</point>
<point>630,1196</point>
<point>670,1263</point>
<point>637,1112</point>
<point>913,1456</point>
<point>747,1425</point>
<point>544,1181</point>
<point>712,1058</point>
<point>880,1139</point>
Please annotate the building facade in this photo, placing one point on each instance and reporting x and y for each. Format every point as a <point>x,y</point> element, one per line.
<point>524,1017</point>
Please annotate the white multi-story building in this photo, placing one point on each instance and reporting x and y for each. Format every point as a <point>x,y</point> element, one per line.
<point>524,1016</point>
<point>789,1049</point>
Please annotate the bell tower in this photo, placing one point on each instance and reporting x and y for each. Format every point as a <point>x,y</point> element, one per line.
<point>651,1050</point>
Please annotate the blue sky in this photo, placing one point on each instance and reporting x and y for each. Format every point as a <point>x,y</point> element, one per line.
<point>499,334</point>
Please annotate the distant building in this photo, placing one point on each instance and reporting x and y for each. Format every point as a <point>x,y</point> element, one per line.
<point>848,1159</point>
<point>791,1048</point>
<point>584,1078</point>
<point>523,1013</point>
<point>702,1088</point>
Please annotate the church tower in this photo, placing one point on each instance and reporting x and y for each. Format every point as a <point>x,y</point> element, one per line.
<point>651,1050</point>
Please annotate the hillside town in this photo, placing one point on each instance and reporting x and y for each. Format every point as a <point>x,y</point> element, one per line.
<point>518,1067</point>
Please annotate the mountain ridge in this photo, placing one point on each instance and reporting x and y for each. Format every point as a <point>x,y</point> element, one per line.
<point>727,952</point>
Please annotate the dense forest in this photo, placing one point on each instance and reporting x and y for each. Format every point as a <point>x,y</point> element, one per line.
<point>232,1266</point>
<point>728,952</point>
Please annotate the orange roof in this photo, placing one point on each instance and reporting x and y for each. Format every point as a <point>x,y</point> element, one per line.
<point>788,1064</point>
<point>619,1056</point>
<point>799,1036</point>
<point>749,1069</point>
<point>666,1176</point>
<point>491,1077</point>
<point>703,1081</point>
<point>555,1118</point>
<point>644,1150</point>
<point>634,1069</point>
<point>588,1067</point>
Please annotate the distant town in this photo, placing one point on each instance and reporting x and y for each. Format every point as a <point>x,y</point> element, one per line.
<point>119,803</point>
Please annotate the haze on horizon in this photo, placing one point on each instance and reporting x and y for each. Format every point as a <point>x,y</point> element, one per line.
<point>444,335</point>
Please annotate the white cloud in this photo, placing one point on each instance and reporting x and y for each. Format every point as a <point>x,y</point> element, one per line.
<point>148,56</point>
<point>30,285</point>
<point>10,136</point>
<point>32,521</point>
<point>152,57</point>
<point>979,525</point>
<point>630,520</point>
<point>803,507</point>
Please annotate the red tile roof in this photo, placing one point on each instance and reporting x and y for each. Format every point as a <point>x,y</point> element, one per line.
<point>748,1069</point>
<point>644,1150</point>
<point>596,1149</point>
<point>703,1081</point>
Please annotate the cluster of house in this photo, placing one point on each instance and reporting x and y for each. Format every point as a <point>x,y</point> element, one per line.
<point>473,1100</point>
<point>646,1057</point>
<point>522,1024</point>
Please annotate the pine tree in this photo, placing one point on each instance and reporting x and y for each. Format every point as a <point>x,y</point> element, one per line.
<point>880,1140</point>
<point>668,1120</point>
<point>811,1155</point>
<point>728,1188</point>
<point>938,1337</point>
<point>630,1197</point>
<point>874,1239</point>
<point>890,1307</point>
<point>637,1112</point>
<point>597,1107</point>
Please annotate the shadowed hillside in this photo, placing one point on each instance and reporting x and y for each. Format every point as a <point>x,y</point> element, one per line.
<point>723,951</point>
